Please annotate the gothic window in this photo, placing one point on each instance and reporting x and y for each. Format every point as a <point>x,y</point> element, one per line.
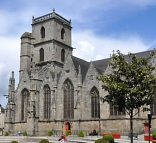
<point>62,33</point>
<point>153,108</point>
<point>24,104</point>
<point>42,32</point>
<point>68,91</point>
<point>114,110</point>
<point>47,102</point>
<point>95,103</point>
<point>62,55</point>
<point>41,55</point>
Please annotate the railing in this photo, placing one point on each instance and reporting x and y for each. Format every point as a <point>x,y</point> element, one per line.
<point>49,16</point>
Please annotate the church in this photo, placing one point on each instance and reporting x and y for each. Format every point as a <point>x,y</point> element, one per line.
<point>58,91</point>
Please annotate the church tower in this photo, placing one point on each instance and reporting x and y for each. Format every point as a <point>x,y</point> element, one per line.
<point>52,39</point>
<point>26,53</point>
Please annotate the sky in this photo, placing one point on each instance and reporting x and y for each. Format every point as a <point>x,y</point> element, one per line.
<point>98,28</point>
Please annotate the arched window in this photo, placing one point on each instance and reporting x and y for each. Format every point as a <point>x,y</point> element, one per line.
<point>114,110</point>
<point>24,104</point>
<point>62,55</point>
<point>62,33</point>
<point>68,91</point>
<point>41,55</point>
<point>95,103</point>
<point>42,32</point>
<point>47,102</point>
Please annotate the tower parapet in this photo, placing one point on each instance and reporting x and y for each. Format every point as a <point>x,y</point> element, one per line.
<point>49,16</point>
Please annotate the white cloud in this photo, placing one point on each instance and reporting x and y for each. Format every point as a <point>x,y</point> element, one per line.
<point>88,45</point>
<point>1,68</point>
<point>93,47</point>
<point>10,51</point>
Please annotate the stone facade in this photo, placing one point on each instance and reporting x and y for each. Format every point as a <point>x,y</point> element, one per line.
<point>2,117</point>
<point>56,90</point>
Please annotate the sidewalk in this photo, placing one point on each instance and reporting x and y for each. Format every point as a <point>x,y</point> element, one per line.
<point>91,139</point>
<point>70,139</point>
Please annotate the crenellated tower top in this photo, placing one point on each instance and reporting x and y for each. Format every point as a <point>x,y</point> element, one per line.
<point>50,16</point>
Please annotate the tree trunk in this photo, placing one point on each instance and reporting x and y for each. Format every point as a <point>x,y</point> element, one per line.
<point>131,126</point>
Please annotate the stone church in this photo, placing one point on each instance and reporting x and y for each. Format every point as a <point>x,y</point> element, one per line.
<point>58,91</point>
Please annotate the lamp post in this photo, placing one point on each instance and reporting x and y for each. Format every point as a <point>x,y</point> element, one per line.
<point>99,126</point>
<point>34,116</point>
<point>149,124</point>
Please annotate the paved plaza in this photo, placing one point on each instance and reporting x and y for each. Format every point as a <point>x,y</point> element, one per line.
<point>70,139</point>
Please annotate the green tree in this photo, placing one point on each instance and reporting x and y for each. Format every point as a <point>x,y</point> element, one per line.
<point>130,85</point>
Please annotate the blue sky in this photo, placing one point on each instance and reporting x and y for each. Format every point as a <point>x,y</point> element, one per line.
<point>99,27</point>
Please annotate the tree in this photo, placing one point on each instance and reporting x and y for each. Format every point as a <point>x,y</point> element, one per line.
<point>130,85</point>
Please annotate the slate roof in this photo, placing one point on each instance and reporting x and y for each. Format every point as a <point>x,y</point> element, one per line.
<point>100,65</point>
<point>143,54</point>
<point>84,66</point>
<point>26,35</point>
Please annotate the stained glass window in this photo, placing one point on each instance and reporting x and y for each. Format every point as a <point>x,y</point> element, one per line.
<point>68,91</point>
<point>47,102</point>
<point>24,104</point>
<point>95,103</point>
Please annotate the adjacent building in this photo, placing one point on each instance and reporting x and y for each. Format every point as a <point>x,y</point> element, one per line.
<point>2,117</point>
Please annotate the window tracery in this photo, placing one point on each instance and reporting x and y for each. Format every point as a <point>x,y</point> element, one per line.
<point>47,102</point>
<point>95,103</point>
<point>114,110</point>
<point>24,104</point>
<point>68,91</point>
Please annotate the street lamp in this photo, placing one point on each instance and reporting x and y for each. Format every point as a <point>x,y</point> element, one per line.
<point>149,124</point>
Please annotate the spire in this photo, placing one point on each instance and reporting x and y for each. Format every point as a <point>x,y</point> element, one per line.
<point>33,19</point>
<point>11,87</point>
<point>12,74</point>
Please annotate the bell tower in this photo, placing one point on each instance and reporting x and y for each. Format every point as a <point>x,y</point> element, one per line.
<point>52,39</point>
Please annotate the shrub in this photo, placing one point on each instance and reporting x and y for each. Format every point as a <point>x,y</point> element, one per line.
<point>50,133</point>
<point>106,139</point>
<point>109,138</point>
<point>14,142</point>
<point>25,133</point>
<point>44,141</point>
<point>6,134</point>
<point>68,132</point>
<point>154,135</point>
<point>81,134</point>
